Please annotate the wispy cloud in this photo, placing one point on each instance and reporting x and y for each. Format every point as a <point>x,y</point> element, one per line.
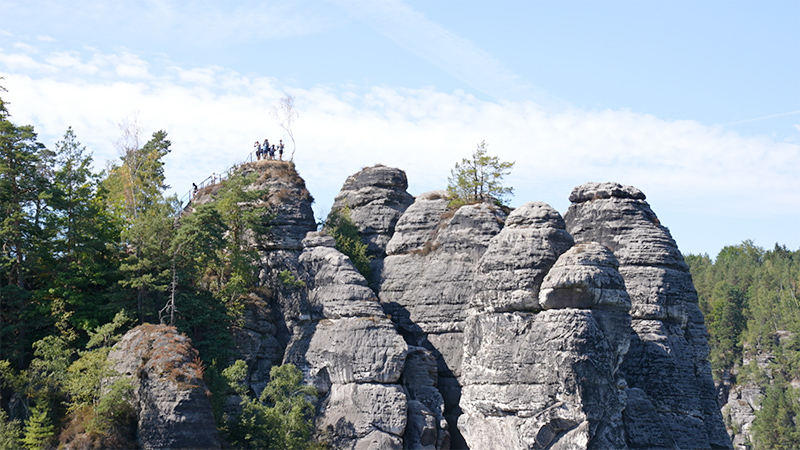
<point>770,116</point>
<point>449,52</point>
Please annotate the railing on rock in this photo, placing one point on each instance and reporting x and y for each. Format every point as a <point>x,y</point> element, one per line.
<point>214,178</point>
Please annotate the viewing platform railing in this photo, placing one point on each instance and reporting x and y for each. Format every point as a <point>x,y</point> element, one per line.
<point>214,178</point>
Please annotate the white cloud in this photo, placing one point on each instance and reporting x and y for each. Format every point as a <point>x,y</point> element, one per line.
<point>213,115</point>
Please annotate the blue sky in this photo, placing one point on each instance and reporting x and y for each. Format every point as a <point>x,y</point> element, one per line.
<point>697,103</point>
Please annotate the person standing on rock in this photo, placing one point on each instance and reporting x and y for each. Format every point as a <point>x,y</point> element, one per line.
<point>258,150</point>
<point>265,149</point>
<point>280,149</point>
<point>194,189</point>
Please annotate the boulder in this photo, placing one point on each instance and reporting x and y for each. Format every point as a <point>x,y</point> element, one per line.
<point>170,397</point>
<point>512,269</point>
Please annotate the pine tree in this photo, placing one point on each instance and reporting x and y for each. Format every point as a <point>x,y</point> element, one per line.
<point>21,186</point>
<point>39,428</point>
<point>135,192</point>
<point>479,178</point>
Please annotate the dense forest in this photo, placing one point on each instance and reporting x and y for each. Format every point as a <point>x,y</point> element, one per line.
<point>86,256</point>
<point>751,300</point>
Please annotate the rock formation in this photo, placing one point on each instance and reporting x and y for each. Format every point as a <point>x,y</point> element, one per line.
<point>542,352</point>
<point>482,328</point>
<point>351,352</point>
<point>169,396</point>
<point>376,197</point>
<point>672,400</point>
<point>428,282</point>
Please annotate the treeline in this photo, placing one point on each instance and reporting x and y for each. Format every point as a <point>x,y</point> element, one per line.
<point>751,300</point>
<point>87,255</point>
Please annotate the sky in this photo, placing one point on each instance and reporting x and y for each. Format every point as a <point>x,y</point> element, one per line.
<point>695,102</point>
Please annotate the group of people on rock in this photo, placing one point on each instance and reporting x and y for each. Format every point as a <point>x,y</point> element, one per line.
<point>265,151</point>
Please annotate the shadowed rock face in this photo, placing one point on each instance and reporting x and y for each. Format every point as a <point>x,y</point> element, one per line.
<point>170,398</point>
<point>673,401</point>
<point>427,284</point>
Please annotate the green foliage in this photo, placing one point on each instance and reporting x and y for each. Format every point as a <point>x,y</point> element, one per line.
<point>280,418</point>
<point>287,278</point>
<point>348,239</point>
<point>114,409</point>
<point>39,429</point>
<point>775,424</point>
<point>750,299</point>
<point>725,322</point>
<point>479,179</point>
<point>10,432</point>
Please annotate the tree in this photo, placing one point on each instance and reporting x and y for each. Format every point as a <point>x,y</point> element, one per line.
<point>22,190</point>
<point>135,194</point>
<point>281,418</point>
<point>284,113</point>
<point>348,239</point>
<point>479,178</point>
<point>83,258</point>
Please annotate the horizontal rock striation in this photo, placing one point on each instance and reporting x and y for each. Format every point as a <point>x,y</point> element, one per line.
<point>544,340</point>
<point>351,352</point>
<point>672,400</point>
<point>376,198</point>
<point>426,285</point>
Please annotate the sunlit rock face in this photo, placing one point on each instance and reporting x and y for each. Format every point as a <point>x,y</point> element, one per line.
<point>351,352</point>
<point>544,340</point>
<point>480,327</point>
<point>375,197</point>
<point>672,399</point>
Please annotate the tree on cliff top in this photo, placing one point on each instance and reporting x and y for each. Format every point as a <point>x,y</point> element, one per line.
<point>479,178</point>
<point>284,114</point>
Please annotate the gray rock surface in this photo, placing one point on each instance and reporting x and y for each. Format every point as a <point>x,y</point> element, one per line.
<point>376,197</point>
<point>426,289</point>
<point>548,379</point>
<point>427,427</point>
<point>512,269</point>
<point>743,402</point>
<point>351,352</point>
<point>668,356</point>
<point>170,398</point>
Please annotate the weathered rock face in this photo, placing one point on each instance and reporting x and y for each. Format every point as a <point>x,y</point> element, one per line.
<point>512,269</point>
<point>351,352</point>
<point>376,197</point>
<point>743,402</point>
<point>484,330</point>
<point>427,284</point>
<point>170,398</point>
<point>544,379</point>
<point>666,367</point>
